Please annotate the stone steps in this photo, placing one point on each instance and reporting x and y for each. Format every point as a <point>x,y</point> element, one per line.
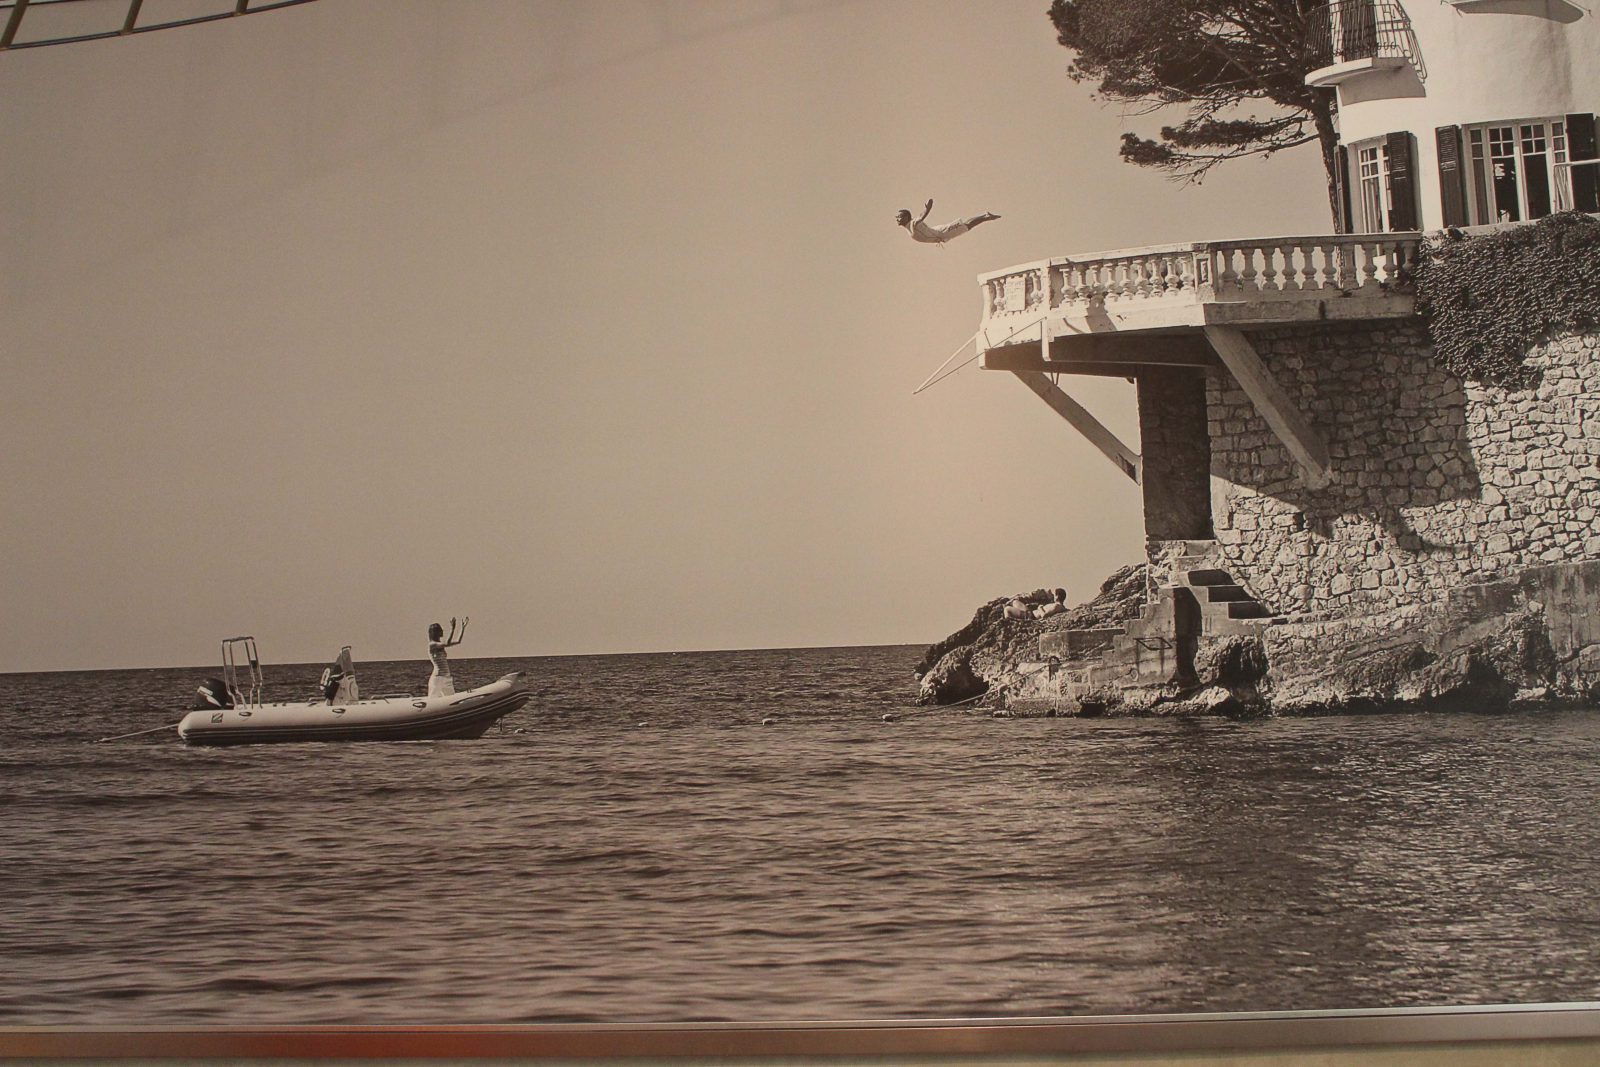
<point>1226,594</point>
<point>1214,605</point>
<point>1225,608</point>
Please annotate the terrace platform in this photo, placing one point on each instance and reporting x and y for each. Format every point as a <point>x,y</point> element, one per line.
<point>1084,308</point>
<point>1184,308</point>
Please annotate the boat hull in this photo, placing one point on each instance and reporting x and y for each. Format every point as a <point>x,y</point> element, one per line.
<point>459,715</point>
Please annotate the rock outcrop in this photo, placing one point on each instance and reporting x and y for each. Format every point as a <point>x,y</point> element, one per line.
<point>986,655</point>
<point>1529,640</point>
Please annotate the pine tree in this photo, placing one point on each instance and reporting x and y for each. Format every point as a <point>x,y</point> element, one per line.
<point>1211,58</point>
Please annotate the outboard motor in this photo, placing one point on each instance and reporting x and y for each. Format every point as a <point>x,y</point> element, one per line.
<point>339,680</point>
<point>213,694</point>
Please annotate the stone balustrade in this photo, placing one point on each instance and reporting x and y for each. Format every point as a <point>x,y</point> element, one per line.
<point>1278,279</point>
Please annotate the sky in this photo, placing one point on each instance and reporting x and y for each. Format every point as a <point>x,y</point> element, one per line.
<point>590,321</point>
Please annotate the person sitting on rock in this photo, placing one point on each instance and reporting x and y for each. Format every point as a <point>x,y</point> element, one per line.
<point>1017,608</point>
<point>1055,607</point>
<point>1027,607</point>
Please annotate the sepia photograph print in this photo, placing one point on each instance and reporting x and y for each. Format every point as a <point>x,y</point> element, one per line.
<point>858,517</point>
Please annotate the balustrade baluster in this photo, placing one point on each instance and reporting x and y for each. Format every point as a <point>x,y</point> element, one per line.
<point>1227,277</point>
<point>1308,265</point>
<point>1392,257</point>
<point>1329,251</point>
<point>1291,271</point>
<point>1369,264</point>
<point>1247,276</point>
<point>1269,268</point>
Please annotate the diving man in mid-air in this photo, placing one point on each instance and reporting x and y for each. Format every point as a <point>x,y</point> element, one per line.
<point>938,235</point>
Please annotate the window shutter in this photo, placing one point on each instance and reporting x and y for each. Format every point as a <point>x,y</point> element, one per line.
<point>1341,189</point>
<point>1452,176</point>
<point>1581,145</point>
<point>1402,182</point>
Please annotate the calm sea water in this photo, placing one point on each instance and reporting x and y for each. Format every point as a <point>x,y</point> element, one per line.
<point>639,846</point>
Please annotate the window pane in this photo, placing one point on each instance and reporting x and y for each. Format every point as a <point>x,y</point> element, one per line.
<point>1370,164</point>
<point>1536,170</point>
<point>1480,179</point>
<point>1503,168</point>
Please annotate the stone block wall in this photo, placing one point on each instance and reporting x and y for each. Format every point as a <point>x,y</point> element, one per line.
<point>1436,482</point>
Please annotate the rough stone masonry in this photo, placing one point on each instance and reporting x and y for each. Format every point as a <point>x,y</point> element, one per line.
<point>1436,483</point>
<point>1453,559</point>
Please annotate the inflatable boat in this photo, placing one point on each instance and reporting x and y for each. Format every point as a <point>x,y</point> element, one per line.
<point>233,713</point>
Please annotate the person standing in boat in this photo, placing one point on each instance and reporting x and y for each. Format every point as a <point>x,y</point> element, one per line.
<point>440,683</point>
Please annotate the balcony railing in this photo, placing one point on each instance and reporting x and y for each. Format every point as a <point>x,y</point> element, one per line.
<point>1265,280</point>
<point>1349,30</point>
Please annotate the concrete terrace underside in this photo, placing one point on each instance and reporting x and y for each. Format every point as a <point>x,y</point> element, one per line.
<point>1180,310</point>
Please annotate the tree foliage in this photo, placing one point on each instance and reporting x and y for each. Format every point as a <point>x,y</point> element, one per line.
<point>1210,58</point>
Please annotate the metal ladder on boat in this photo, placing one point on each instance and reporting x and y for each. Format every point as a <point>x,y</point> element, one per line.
<point>250,695</point>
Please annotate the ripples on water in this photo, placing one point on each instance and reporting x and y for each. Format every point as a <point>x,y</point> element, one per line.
<point>638,846</point>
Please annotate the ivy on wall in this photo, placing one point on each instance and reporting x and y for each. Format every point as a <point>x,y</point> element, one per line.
<point>1488,299</point>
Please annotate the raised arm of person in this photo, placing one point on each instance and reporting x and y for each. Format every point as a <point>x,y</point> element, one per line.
<point>926,210</point>
<point>453,639</point>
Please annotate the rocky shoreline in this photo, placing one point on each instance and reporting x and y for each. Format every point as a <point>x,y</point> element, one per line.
<point>1530,640</point>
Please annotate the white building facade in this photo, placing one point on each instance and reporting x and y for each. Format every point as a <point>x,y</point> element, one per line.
<point>1461,112</point>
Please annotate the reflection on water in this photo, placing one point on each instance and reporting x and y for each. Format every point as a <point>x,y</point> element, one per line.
<point>638,846</point>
